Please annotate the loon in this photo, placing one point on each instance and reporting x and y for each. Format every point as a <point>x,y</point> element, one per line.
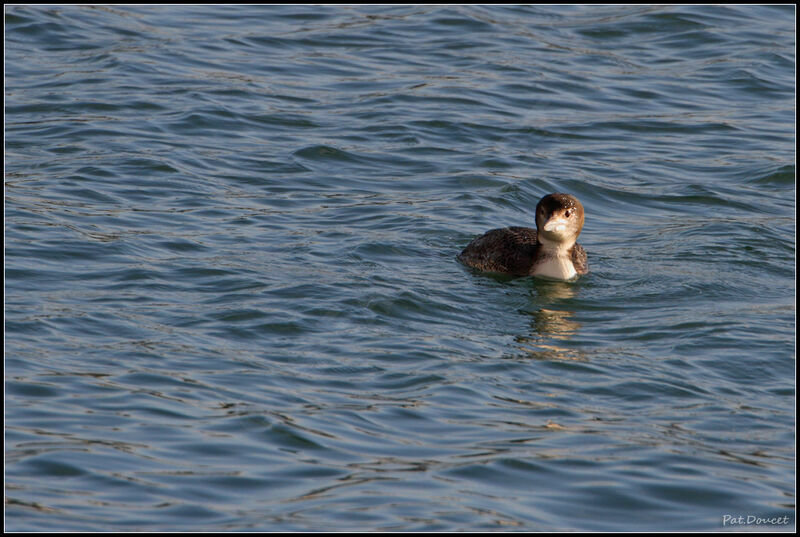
<point>549,251</point>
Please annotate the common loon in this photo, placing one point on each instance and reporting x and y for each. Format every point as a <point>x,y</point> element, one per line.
<point>549,251</point>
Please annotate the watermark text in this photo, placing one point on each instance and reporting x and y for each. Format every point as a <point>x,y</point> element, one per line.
<point>750,520</point>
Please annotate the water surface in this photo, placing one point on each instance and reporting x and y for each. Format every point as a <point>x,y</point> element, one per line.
<point>232,299</point>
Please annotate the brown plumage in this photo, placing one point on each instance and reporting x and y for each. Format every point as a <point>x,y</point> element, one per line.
<point>521,251</point>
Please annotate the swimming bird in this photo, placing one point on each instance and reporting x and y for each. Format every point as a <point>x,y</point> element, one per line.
<point>549,251</point>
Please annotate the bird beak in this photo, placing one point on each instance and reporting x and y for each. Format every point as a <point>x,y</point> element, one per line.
<point>556,225</point>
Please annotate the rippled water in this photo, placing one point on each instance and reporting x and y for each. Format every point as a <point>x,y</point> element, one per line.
<point>232,299</point>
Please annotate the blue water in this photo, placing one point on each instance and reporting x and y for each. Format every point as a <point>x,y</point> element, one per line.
<point>232,300</point>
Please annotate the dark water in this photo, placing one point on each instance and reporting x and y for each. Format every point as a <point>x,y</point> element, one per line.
<point>232,300</point>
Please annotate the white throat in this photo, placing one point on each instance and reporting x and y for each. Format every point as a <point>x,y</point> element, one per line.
<point>556,262</point>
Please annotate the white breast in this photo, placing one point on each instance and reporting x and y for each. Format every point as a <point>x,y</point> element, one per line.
<point>556,267</point>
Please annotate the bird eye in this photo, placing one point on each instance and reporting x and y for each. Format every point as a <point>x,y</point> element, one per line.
<point>567,213</point>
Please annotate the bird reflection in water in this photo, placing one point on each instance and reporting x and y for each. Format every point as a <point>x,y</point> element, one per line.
<point>549,325</point>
